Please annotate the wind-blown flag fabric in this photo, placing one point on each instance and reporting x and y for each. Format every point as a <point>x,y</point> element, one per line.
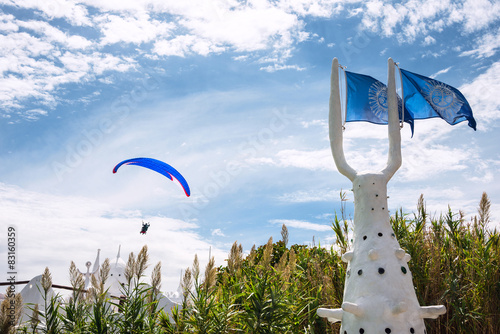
<point>426,98</point>
<point>367,100</point>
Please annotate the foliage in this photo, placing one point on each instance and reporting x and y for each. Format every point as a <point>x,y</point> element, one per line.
<point>277,288</point>
<point>10,311</point>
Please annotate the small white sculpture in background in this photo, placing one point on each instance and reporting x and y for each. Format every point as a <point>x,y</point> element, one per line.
<point>87,275</point>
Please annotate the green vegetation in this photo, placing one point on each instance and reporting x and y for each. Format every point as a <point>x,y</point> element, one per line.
<point>277,288</point>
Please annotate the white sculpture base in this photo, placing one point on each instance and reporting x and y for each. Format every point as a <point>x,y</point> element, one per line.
<point>379,296</point>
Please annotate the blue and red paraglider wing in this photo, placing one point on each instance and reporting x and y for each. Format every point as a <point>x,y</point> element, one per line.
<point>159,167</point>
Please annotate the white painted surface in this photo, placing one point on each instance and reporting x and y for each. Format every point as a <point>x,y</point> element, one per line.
<point>379,296</point>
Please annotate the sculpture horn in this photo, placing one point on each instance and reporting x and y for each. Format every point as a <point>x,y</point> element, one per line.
<point>335,125</point>
<point>352,308</point>
<point>333,315</point>
<point>394,160</point>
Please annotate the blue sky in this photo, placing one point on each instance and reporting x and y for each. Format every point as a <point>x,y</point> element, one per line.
<point>233,94</point>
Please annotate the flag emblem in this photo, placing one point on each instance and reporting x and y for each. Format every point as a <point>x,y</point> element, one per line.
<point>377,99</point>
<point>442,99</point>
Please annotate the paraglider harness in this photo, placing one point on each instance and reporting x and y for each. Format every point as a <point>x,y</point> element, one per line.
<point>145,227</point>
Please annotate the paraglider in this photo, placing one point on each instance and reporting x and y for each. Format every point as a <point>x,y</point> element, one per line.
<point>157,166</point>
<point>144,228</point>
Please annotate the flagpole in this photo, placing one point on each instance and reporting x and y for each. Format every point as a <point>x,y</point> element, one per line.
<point>345,104</point>
<point>402,97</point>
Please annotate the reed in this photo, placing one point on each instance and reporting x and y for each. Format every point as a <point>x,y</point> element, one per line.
<point>277,288</point>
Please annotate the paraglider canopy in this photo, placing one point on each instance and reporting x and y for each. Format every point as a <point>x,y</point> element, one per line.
<point>157,166</point>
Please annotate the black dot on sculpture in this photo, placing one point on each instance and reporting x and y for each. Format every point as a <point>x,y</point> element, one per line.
<point>361,330</point>
<point>373,209</point>
<point>403,269</point>
<point>412,330</point>
<point>380,234</point>
<point>373,182</point>
<point>393,235</point>
<point>376,195</point>
<point>387,330</point>
<point>364,237</point>
<point>360,272</point>
<point>383,208</point>
<point>345,332</point>
<point>381,271</point>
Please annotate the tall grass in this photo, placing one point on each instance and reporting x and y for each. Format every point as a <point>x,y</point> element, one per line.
<point>277,288</point>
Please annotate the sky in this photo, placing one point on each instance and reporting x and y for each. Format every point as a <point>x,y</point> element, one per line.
<point>234,95</point>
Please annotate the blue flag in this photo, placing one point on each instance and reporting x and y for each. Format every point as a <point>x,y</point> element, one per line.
<point>367,101</point>
<point>426,98</point>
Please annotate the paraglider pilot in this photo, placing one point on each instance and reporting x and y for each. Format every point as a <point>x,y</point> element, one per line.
<point>145,227</point>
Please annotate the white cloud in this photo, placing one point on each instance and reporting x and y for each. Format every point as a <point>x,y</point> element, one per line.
<point>307,196</point>
<point>476,14</point>
<point>429,40</point>
<point>413,19</point>
<point>178,46</point>
<point>37,67</point>
<point>438,199</point>
<point>107,62</point>
<point>317,8</point>
<point>241,58</point>
<point>425,160</point>
<point>486,46</point>
<point>278,67</point>
<point>53,34</point>
<point>24,46</point>
<point>75,14</point>
<point>183,45</point>
<point>34,114</point>
<point>267,30</point>
<point>316,122</point>
<point>443,71</point>
<point>300,224</point>
<point>428,154</point>
<point>218,232</point>
<point>247,29</point>
<point>364,130</point>
<point>55,230</point>
<point>312,160</point>
<point>429,53</point>
<point>242,26</point>
<point>7,23</point>
<point>482,94</point>
<point>484,171</point>
<point>14,89</point>
<point>130,29</point>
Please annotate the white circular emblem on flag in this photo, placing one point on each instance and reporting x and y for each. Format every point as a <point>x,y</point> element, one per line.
<point>377,97</point>
<point>442,99</point>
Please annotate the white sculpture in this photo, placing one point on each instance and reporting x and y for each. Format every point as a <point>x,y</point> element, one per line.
<point>379,296</point>
<point>88,274</point>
